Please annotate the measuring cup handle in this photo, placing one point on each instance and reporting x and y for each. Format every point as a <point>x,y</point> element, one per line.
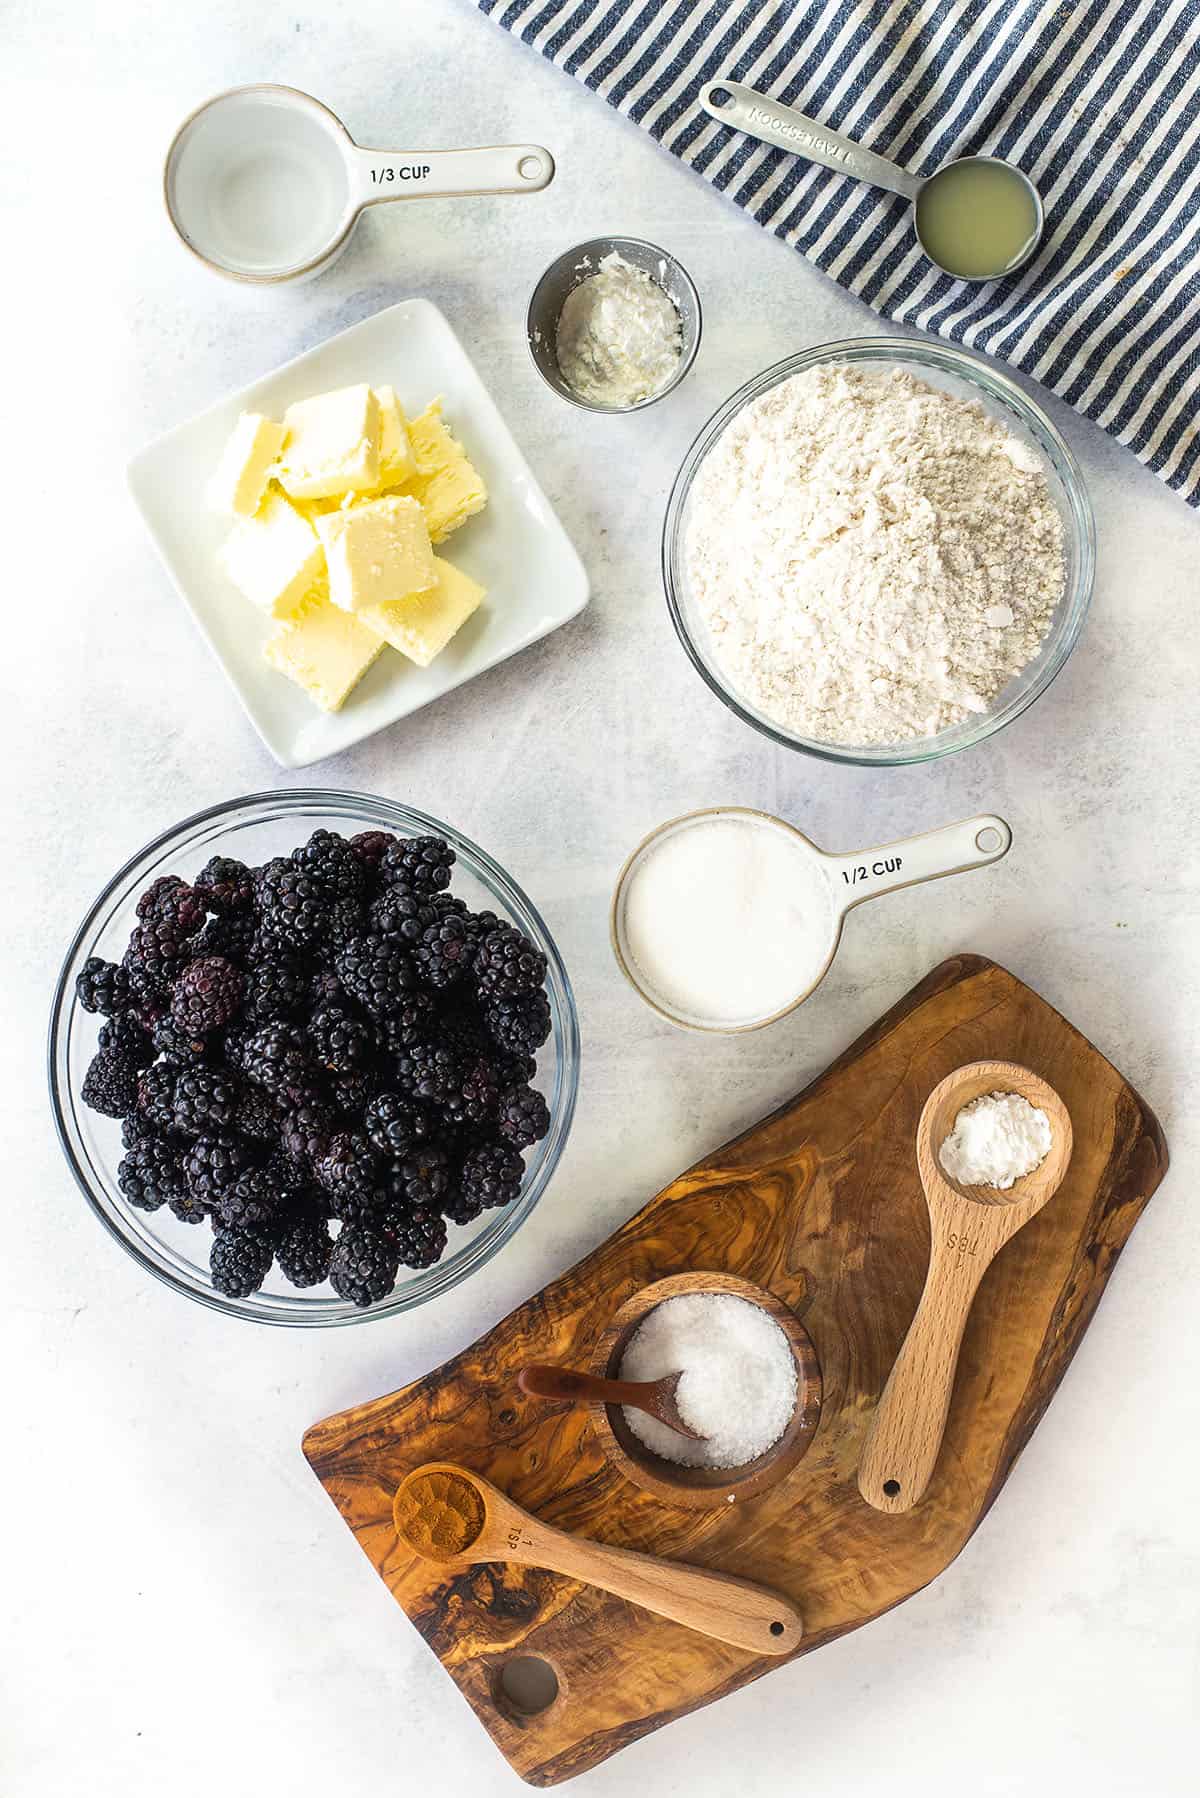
<point>786,129</point>
<point>440,174</point>
<point>974,843</point>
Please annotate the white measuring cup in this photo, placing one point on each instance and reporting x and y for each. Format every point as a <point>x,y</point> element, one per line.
<point>830,885</point>
<point>265,184</point>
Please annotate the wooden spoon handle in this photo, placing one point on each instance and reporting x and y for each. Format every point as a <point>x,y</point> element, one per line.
<point>716,1604</point>
<point>906,1432</point>
<point>543,1381</point>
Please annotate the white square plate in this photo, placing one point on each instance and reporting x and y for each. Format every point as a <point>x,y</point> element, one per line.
<point>516,548</point>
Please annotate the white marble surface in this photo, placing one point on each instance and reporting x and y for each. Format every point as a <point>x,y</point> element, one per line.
<point>182,1611</point>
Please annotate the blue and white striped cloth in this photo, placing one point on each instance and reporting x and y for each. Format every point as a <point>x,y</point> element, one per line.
<point>1098,100</point>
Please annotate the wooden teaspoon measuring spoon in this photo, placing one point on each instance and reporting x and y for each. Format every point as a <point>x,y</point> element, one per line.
<point>456,1518</point>
<point>969,1225</point>
<point>655,1397</point>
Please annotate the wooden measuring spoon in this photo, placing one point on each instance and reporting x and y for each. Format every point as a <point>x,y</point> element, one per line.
<point>969,1225</point>
<point>655,1397</point>
<point>716,1604</point>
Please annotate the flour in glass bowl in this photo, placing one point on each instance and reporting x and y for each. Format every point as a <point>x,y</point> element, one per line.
<point>875,558</point>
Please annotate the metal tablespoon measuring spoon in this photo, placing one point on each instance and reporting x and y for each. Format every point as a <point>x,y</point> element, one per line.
<point>811,889</point>
<point>265,184</point>
<point>976,218</point>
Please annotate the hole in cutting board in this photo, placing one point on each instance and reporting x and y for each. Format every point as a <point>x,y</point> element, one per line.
<point>892,1488</point>
<point>528,1684</point>
<point>777,1629</point>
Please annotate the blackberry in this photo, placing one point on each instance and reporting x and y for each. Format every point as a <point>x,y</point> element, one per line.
<point>418,1233</point>
<point>304,1133</point>
<point>212,1164</point>
<point>363,1265</point>
<point>414,1019</point>
<point>347,920</point>
<point>422,1177</point>
<point>206,1101</point>
<point>207,996</point>
<point>349,1093</point>
<point>110,1085</point>
<point>102,986</point>
<point>256,1117</point>
<point>492,1175</point>
<point>171,899</point>
<point>515,1070</point>
<point>429,1069</point>
<point>156,1096</point>
<point>276,988</point>
<point>123,1033</point>
<point>421,863</point>
<point>135,1129</point>
<point>178,1047</point>
<point>459,1207</point>
<point>276,1057</point>
<point>369,846</point>
<point>462,1027</point>
<point>293,907</point>
<point>376,972</point>
<point>189,1207</point>
<point>155,955</point>
<point>523,1117</point>
<point>304,1252</point>
<point>518,1026</point>
<point>231,934</point>
<point>396,1125</point>
<point>329,858</point>
<point>348,1172</point>
<point>507,964</point>
<point>445,952</point>
<point>324,988</point>
<point>225,885</point>
<point>475,1094</point>
<point>398,911</point>
<point>253,1198</point>
<point>240,1261</point>
<point>341,1042</point>
<point>151,1174</point>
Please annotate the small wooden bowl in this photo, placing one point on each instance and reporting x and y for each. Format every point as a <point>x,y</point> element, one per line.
<point>706,1488</point>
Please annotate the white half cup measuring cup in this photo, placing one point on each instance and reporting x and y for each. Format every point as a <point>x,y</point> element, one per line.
<point>822,887</point>
<point>264,184</point>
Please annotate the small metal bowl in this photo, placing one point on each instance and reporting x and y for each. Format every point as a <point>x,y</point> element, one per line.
<point>706,1488</point>
<point>574,266</point>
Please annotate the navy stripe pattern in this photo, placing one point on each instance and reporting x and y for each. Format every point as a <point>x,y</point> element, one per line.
<point>1098,100</point>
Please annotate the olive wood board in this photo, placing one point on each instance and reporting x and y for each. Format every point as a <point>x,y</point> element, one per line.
<point>821,1204</point>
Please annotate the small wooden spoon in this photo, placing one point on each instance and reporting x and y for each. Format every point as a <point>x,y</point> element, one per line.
<point>969,1225</point>
<point>655,1397</point>
<point>716,1604</point>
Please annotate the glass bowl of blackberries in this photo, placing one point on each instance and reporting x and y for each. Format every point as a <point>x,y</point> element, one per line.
<point>313,1057</point>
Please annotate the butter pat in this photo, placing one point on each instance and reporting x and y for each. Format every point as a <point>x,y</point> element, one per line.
<point>324,650</point>
<point>332,444</point>
<point>273,558</point>
<point>396,461</point>
<point>241,476</point>
<point>421,625</point>
<point>449,487</point>
<point>376,552</point>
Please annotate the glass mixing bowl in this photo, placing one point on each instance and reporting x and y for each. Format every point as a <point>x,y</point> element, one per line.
<point>254,829</point>
<point>967,377</point>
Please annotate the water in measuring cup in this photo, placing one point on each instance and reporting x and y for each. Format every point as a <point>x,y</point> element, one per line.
<point>259,185</point>
<point>726,919</point>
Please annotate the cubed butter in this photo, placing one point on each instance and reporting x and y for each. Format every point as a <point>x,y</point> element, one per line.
<point>376,552</point>
<point>421,625</point>
<point>240,479</point>
<point>396,461</point>
<point>324,650</point>
<point>274,557</point>
<point>449,487</point>
<point>332,444</point>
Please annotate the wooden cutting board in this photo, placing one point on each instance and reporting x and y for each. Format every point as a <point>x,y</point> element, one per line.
<point>821,1204</point>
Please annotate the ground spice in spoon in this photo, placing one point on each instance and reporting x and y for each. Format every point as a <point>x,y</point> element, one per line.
<point>439,1514</point>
